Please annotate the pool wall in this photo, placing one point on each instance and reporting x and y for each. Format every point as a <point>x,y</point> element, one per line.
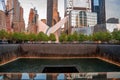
<point>10,52</point>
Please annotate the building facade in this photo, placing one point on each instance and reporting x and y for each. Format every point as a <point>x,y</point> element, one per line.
<point>52,12</point>
<point>16,22</point>
<point>83,18</point>
<point>2,20</point>
<point>56,16</point>
<point>106,14</point>
<point>49,12</point>
<point>100,10</point>
<point>79,12</point>
<point>32,22</point>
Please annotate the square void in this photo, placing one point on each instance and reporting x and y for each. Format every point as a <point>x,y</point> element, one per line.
<point>64,69</point>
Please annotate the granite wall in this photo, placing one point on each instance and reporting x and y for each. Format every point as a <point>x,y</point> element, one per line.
<point>10,52</point>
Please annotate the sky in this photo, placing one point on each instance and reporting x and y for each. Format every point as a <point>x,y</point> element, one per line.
<point>41,7</point>
<point>42,4</point>
<point>113,9</point>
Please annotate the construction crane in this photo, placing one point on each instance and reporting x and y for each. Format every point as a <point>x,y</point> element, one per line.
<point>69,6</point>
<point>5,9</point>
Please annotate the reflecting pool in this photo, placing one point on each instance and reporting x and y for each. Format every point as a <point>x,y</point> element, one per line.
<point>39,65</point>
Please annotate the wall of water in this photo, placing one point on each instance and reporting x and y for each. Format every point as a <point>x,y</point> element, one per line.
<point>10,52</point>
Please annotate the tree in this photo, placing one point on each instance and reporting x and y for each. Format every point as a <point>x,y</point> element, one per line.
<point>63,37</point>
<point>107,36</point>
<point>96,36</point>
<point>75,36</point>
<point>3,34</point>
<point>23,37</point>
<point>116,35</point>
<point>31,37</point>
<point>89,38</point>
<point>82,37</point>
<point>52,37</point>
<point>42,37</point>
<point>70,38</point>
<point>102,36</point>
<point>15,36</point>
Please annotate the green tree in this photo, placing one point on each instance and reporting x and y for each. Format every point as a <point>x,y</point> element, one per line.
<point>75,36</point>
<point>89,38</point>
<point>82,37</point>
<point>42,37</point>
<point>3,34</point>
<point>52,37</point>
<point>102,36</point>
<point>9,37</point>
<point>63,37</point>
<point>15,36</point>
<point>107,36</point>
<point>70,38</point>
<point>116,35</point>
<point>31,37</point>
<point>23,37</point>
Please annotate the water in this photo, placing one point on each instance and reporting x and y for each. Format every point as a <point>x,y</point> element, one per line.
<point>38,65</point>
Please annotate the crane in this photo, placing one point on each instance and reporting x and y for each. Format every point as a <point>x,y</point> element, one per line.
<point>5,9</point>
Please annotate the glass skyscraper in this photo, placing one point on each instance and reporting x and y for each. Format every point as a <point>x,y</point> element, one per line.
<point>107,11</point>
<point>99,8</point>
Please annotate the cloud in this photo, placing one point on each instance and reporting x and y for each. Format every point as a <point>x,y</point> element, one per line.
<point>112,8</point>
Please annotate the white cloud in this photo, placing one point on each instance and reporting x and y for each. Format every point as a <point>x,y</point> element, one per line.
<point>112,8</point>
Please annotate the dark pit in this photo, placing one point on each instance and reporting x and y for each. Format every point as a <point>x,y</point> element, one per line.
<point>63,69</point>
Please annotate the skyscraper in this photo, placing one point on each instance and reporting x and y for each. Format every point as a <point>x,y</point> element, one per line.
<point>15,17</point>
<point>56,17</point>
<point>52,12</point>
<point>2,20</point>
<point>49,12</point>
<point>112,11</point>
<point>32,23</point>
<point>100,10</point>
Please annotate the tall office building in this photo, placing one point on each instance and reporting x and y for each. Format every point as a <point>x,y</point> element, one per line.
<point>81,19</point>
<point>112,11</point>
<point>108,14</point>
<point>49,12</point>
<point>73,7</point>
<point>15,16</point>
<point>52,12</point>
<point>100,9</point>
<point>56,16</point>
<point>107,10</point>
<point>2,20</point>
<point>32,22</point>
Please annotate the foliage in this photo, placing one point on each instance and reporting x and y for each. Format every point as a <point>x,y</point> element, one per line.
<point>3,34</point>
<point>75,36</point>
<point>98,36</point>
<point>52,37</point>
<point>70,38</point>
<point>31,37</point>
<point>82,37</point>
<point>101,36</point>
<point>15,36</point>
<point>42,37</point>
<point>116,35</point>
<point>63,37</point>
